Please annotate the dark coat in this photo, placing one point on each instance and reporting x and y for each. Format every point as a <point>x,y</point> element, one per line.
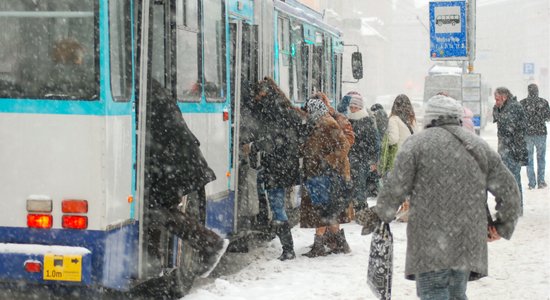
<point>381,118</point>
<point>364,152</point>
<point>511,127</point>
<point>176,165</point>
<point>537,112</point>
<point>278,138</point>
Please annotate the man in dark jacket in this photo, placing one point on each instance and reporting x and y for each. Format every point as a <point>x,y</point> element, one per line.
<point>511,126</point>
<point>177,168</point>
<point>537,112</point>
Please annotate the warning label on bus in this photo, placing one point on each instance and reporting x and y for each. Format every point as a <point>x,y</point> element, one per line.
<point>63,267</point>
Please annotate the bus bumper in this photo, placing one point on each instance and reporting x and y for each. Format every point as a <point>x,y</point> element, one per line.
<point>33,263</point>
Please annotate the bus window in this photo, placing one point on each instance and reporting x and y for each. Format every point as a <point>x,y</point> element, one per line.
<point>338,76</point>
<point>48,49</point>
<point>327,68</point>
<point>300,64</point>
<point>214,49</point>
<point>158,64</point>
<point>284,54</point>
<point>187,21</point>
<point>120,38</point>
<point>317,65</point>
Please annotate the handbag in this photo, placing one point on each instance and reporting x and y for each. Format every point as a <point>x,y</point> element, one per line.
<point>318,188</point>
<point>380,270</point>
<point>387,157</point>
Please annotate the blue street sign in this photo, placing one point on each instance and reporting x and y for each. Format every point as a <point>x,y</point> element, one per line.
<point>528,68</point>
<point>448,35</point>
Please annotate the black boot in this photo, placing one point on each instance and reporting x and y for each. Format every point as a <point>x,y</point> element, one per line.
<point>285,235</point>
<point>342,245</point>
<point>318,248</point>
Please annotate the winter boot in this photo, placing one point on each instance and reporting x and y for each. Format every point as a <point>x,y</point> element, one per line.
<point>212,256</point>
<point>342,245</point>
<point>285,235</point>
<point>318,248</point>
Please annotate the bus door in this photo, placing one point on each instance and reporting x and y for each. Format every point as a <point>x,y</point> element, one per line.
<point>244,72</point>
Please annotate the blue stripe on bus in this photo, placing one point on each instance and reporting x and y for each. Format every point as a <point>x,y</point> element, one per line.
<point>114,253</point>
<point>65,107</point>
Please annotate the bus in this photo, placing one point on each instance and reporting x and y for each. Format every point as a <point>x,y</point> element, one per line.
<point>75,87</point>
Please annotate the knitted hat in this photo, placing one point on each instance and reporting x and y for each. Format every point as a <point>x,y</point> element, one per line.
<point>316,109</point>
<point>356,100</point>
<point>440,105</point>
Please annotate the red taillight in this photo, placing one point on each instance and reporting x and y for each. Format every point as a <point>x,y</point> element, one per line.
<point>39,221</point>
<point>33,266</point>
<point>75,222</point>
<point>74,206</point>
<point>225,116</point>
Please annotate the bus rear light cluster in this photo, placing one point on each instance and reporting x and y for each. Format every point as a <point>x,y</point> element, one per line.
<point>73,207</point>
<point>74,222</point>
<point>42,221</point>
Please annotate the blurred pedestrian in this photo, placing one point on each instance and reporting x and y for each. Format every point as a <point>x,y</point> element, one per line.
<point>448,228</point>
<point>537,113</point>
<point>327,177</point>
<point>401,125</point>
<point>277,138</point>
<point>343,106</point>
<point>381,118</point>
<point>511,129</point>
<point>467,120</point>
<point>364,153</point>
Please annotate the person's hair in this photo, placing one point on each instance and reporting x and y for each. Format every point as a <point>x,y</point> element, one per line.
<point>533,90</point>
<point>68,51</point>
<point>403,108</point>
<point>504,91</point>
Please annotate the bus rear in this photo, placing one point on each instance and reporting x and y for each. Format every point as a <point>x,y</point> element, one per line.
<point>68,146</point>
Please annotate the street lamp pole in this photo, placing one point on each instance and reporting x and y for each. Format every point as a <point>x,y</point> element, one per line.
<point>471,30</point>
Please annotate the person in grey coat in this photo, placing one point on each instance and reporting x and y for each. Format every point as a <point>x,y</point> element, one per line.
<point>446,171</point>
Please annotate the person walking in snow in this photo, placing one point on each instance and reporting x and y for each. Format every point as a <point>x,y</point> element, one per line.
<point>401,125</point>
<point>381,118</point>
<point>511,129</point>
<point>327,176</point>
<point>448,229</point>
<point>363,154</point>
<point>278,141</point>
<point>537,112</point>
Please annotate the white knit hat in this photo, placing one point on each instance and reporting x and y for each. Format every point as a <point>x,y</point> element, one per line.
<point>440,105</point>
<point>356,100</point>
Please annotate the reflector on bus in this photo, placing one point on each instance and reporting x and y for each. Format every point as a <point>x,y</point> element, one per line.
<point>74,206</point>
<point>39,205</point>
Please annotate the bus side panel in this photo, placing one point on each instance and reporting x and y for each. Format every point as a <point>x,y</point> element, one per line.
<point>118,169</point>
<point>121,255</point>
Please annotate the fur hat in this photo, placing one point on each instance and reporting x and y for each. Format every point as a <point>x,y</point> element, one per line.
<point>357,101</point>
<point>440,105</point>
<point>316,109</point>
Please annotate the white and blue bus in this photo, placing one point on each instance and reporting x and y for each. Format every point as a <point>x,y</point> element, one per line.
<point>74,78</point>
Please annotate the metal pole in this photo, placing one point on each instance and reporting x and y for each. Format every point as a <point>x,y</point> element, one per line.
<point>471,23</point>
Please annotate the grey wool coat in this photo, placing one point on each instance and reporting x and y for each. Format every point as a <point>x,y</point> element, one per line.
<point>447,225</point>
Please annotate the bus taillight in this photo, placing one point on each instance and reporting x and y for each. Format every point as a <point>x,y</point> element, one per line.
<point>74,206</point>
<point>39,221</point>
<point>74,222</point>
<point>33,266</point>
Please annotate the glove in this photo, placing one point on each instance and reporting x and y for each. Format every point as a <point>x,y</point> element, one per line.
<point>369,219</point>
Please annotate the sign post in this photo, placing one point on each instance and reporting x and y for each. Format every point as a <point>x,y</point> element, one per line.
<point>448,30</point>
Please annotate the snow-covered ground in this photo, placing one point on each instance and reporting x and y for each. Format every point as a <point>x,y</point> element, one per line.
<point>518,269</point>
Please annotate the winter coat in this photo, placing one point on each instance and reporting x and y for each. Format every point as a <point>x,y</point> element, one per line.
<point>325,150</point>
<point>381,118</point>
<point>278,138</point>
<point>176,165</point>
<point>364,152</point>
<point>397,131</point>
<point>447,226</point>
<point>511,130</point>
<point>537,112</point>
<point>327,147</point>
